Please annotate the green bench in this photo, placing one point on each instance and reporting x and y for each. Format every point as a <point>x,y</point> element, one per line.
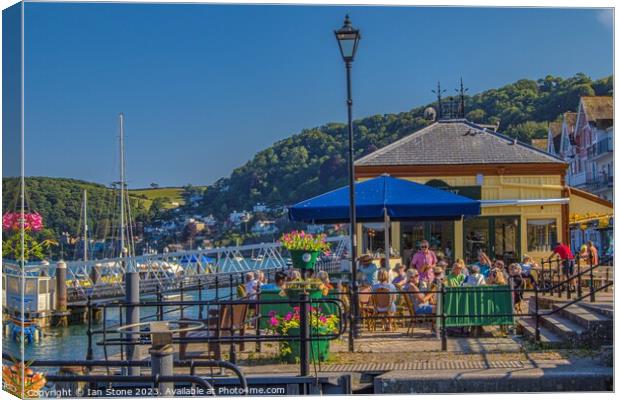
<point>478,306</point>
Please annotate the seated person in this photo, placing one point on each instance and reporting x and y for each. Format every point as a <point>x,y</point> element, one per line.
<point>400,278</point>
<point>484,262</point>
<point>421,301</point>
<point>384,283</point>
<point>496,277</point>
<point>368,269</point>
<point>323,276</point>
<point>455,278</point>
<point>426,276</point>
<point>294,275</point>
<point>475,278</point>
<point>251,286</point>
<point>500,266</point>
<point>279,282</point>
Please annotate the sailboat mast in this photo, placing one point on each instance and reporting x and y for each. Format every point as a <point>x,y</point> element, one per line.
<point>85,227</point>
<point>122,183</point>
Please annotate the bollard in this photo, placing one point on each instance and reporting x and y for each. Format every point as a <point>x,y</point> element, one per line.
<point>162,356</point>
<point>230,279</point>
<point>132,316</point>
<point>304,334</point>
<point>61,292</point>
<point>217,287</point>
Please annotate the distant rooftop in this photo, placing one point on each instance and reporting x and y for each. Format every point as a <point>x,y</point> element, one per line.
<point>457,141</point>
<point>598,107</point>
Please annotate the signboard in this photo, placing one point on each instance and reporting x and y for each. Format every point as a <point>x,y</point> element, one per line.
<point>472,192</point>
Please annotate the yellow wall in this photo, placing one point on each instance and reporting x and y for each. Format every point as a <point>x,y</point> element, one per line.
<point>510,187</point>
<point>582,206</point>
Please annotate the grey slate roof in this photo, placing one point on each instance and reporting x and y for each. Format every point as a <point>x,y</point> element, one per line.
<point>456,142</point>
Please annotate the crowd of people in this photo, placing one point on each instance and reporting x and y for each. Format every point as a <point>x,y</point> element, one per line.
<point>255,281</point>
<point>427,270</point>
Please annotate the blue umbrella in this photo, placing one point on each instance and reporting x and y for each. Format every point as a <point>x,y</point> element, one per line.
<point>384,198</point>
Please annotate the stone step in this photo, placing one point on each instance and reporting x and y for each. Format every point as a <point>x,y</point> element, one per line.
<point>584,316</point>
<point>605,309</point>
<point>562,326</point>
<point>548,339</point>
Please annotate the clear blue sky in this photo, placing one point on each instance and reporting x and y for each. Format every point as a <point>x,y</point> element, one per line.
<point>204,87</point>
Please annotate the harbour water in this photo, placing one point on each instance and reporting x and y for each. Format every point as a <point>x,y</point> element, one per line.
<point>71,342</point>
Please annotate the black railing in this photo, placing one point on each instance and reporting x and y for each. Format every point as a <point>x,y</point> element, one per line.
<point>305,337</point>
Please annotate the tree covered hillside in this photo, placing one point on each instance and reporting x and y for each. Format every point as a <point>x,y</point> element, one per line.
<point>59,201</point>
<point>314,161</point>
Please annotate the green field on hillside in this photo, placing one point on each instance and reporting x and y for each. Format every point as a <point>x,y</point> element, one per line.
<point>173,194</point>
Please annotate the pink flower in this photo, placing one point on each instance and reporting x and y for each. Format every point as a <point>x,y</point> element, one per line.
<point>272,313</point>
<point>322,319</point>
<point>296,309</point>
<point>288,317</point>
<point>273,321</point>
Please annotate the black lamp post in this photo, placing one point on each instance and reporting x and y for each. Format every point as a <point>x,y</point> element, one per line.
<point>348,38</point>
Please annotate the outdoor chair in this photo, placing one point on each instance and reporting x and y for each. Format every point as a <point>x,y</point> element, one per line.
<point>411,310</point>
<point>382,299</point>
<point>230,319</point>
<point>365,307</point>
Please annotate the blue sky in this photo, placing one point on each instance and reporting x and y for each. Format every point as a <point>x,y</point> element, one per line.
<point>204,87</point>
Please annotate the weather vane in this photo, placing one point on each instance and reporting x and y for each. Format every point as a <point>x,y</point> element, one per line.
<point>438,92</point>
<point>461,91</point>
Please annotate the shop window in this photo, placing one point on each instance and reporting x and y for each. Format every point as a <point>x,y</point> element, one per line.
<point>541,234</point>
<point>440,236</point>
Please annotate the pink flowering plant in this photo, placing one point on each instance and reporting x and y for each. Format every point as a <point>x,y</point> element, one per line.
<point>12,223</point>
<point>319,322</point>
<point>300,240</point>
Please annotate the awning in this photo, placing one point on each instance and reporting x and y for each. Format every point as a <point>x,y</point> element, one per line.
<point>398,198</point>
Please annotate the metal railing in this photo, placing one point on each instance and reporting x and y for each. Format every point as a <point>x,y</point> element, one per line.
<point>111,337</point>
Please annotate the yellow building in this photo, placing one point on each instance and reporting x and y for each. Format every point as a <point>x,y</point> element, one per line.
<point>524,197</point>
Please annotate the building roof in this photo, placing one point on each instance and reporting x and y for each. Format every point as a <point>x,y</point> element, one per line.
<point>540,144</point>
<point>570,118</point>
<point>448,142</point>
<point>598,107</point>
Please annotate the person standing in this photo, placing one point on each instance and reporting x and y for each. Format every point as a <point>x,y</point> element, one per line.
<point>592,253</point>
<point>568,261</point>
<point>424,257</point>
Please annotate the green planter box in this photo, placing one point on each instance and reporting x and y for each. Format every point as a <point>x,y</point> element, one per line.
<point>284,308</point>
<point>319,348</point>
<point>304,259</point>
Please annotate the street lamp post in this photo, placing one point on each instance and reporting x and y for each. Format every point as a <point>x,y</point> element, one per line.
<point>348,38</point>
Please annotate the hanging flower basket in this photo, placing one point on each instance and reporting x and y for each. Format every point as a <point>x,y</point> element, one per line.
<point>304,248</point>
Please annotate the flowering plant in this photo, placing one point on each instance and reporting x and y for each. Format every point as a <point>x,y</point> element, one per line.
<point>13,383</point>
<point>319,322</point>
<point>12,246</point>
<point>11,221</point>
<point>300,240</point>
